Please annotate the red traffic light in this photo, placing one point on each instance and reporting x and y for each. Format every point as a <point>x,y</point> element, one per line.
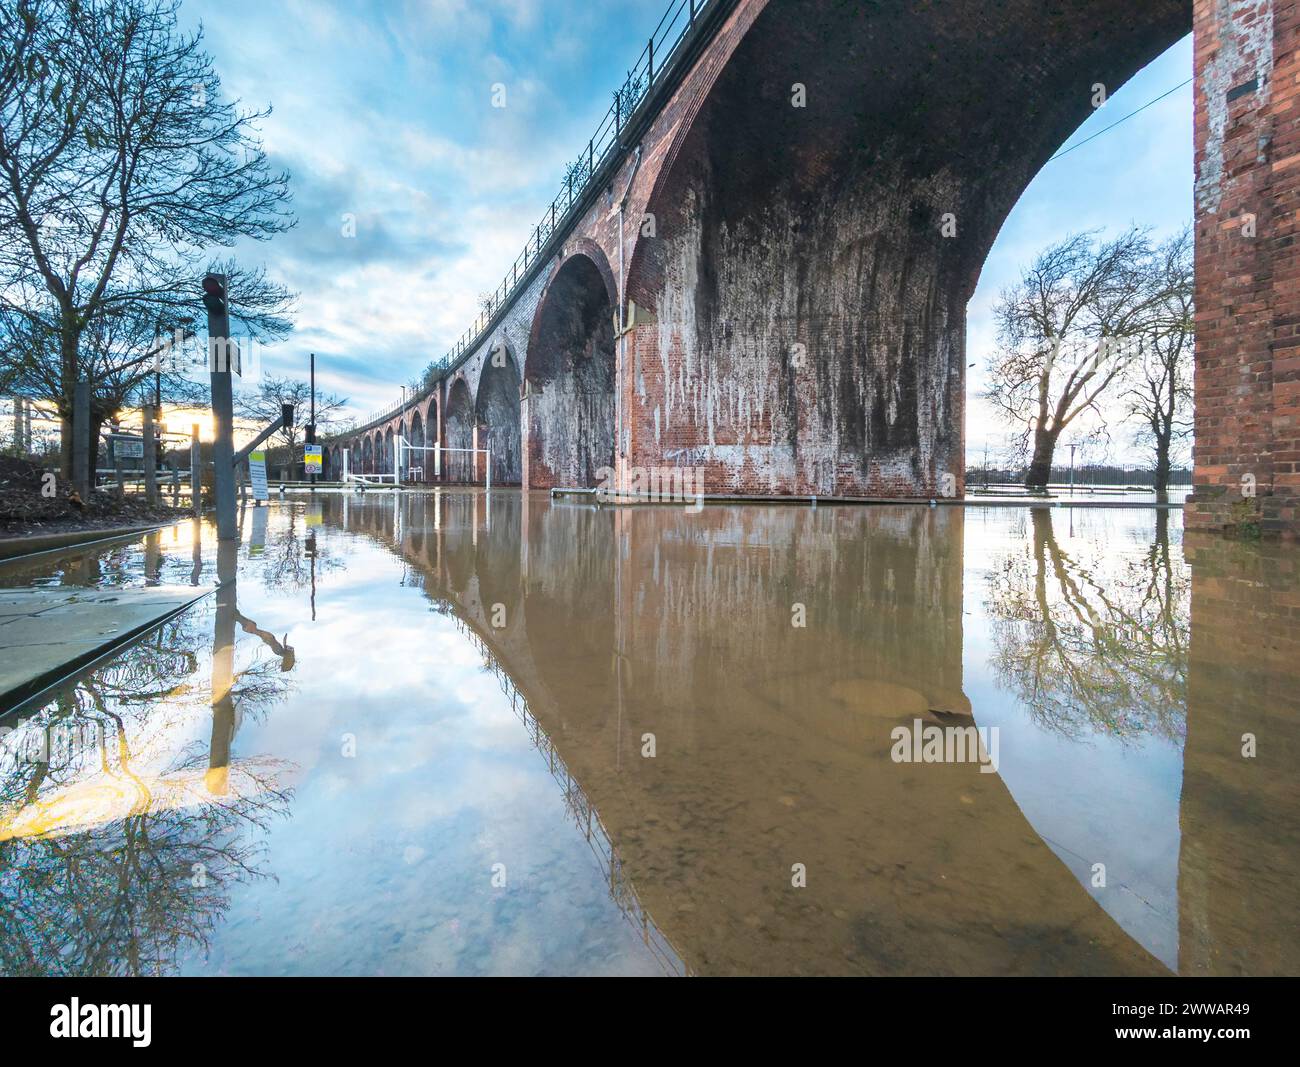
<point>214,294</point>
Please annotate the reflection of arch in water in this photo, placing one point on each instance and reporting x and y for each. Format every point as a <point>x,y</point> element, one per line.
<point>1089,639</point>
<point>783,735</point>
<point>787,743</point>
<point>458,537</point>
<point>497,562</point>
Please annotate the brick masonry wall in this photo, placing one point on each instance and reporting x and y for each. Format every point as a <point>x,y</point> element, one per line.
<point>1247,131</point>
<point>807,332</point>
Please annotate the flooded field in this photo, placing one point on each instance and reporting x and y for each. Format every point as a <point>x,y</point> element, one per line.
<point>473,734</point>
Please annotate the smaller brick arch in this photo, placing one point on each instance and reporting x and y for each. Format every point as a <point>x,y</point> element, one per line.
<point>569,376</point>
<point>497,412</point>
<point>459,424</point>
<point>578,247</point>
<point>417,462</point>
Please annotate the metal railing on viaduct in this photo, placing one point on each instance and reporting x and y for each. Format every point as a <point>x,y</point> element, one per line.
<point>685,28</point>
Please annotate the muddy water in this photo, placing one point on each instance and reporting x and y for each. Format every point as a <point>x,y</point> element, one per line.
<point>467,734</point>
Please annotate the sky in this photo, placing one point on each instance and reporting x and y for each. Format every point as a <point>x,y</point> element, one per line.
<point>382,111</point>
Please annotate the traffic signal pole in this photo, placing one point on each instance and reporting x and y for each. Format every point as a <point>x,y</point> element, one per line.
<point>220,353</point>
<point>311,423</point>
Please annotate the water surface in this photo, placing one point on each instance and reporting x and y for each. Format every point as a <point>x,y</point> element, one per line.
<point>478,734</point>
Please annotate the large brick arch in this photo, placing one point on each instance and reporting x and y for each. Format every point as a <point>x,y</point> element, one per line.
<point>569,409</point>
<point>808,300</point>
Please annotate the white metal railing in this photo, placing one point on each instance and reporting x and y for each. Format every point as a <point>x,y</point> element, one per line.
<point>401,444</point>
<point>366,479</point>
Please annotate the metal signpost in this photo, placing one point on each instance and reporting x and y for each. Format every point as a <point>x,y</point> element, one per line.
<point>196,472</point>
<point>150,455</point>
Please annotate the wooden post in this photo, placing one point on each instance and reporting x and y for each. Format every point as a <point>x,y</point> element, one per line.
<point>83,448</point>
<point>196,472</point>
<point>150,457</point>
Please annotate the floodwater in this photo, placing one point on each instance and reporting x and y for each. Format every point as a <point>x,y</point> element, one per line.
<point>473,734</point>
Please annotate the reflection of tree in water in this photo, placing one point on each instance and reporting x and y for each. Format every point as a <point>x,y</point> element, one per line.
<point>1095,645</point>
<point>292,560</point>
<point>115,858</point>
<point>126,898</point>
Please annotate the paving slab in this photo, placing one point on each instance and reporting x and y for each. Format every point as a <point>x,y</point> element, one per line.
<point>49,632</point>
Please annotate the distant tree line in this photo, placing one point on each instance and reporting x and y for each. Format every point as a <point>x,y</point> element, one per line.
<point>1091,474</point>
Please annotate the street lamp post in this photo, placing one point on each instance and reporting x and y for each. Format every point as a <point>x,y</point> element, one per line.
<point>220,352</point>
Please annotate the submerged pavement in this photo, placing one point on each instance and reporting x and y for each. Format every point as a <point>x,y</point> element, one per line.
<point>47,633</point>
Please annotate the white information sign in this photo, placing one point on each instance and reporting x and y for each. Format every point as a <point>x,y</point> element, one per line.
<point>257,475</point>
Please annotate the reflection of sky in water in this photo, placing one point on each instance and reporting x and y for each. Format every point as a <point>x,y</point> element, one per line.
<point>1099,798</point>
<point>387,865</point>
<point>383,863</point>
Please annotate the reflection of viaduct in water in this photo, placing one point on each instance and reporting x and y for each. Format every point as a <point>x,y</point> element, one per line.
<point>580,808</point>
<point>772,740</point>
<point>1239,913</point>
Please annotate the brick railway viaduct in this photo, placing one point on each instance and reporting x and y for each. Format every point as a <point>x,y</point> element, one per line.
<point>765,292</point>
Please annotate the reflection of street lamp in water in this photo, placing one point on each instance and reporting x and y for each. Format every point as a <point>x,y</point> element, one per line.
<point>225,721</point>
<point>223,661</point>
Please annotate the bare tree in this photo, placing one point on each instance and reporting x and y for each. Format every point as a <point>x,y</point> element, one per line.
<point>266,403</point>
<point>1159,379</point>
<point>1065,332</point>
<point>109,355</point>
<point>121,166</point>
